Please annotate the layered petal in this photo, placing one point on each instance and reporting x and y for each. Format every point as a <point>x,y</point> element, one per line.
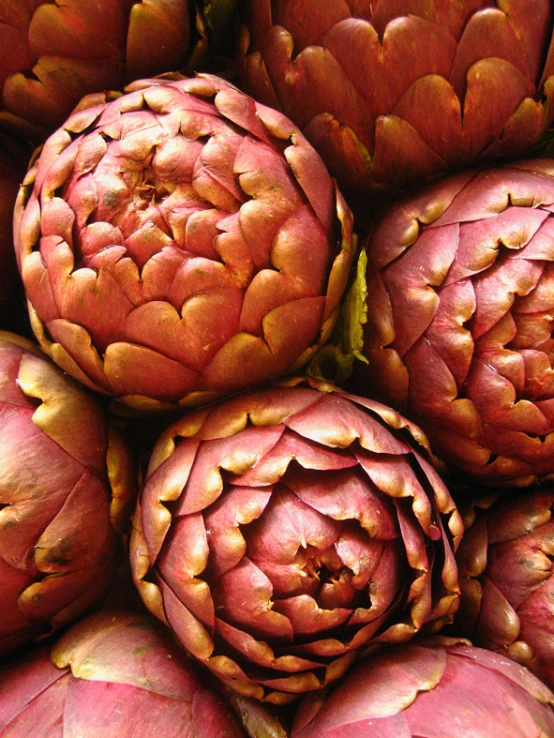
<point>415,690</point>
<point>111,670</point>
<point>505,563</point>
<point>391,93</point>
<point>66,487</point>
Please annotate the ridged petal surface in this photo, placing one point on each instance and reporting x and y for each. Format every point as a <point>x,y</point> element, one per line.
<point>505,561</point>
<point>460,309</point>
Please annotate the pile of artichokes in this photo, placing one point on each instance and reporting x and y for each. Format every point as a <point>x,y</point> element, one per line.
<point>276,368</point>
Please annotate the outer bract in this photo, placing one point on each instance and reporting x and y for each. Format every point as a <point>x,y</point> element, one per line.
<point>66,481</point>
<point>392,92</point>
<point>507,580</point>
<point>180,242</point>
<point>460,284</point>
<point>54,53</point>
<point>281,531</point>
<point>113,675</point>
<point>418,691</point>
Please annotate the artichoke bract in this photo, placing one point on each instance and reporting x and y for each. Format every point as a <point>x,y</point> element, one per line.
<point>431,691</point>
<point>115,675</point>
<point>280,532</point>
<point>392,92</point>
<point>460,308</point>
<point>53,53</point>
<point>507,579</point>
<point>67,482</point>
<point>181,242</point>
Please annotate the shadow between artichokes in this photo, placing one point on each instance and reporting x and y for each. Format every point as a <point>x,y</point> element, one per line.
<point>54,53</point>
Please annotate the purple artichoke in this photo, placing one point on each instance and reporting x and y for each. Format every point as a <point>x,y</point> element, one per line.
<point>391,92</point>
<point>54,53</point>
<point>460,309</point>
<point>281,531</point>
<point>507,579</point>
<point>181,242</point>
<point>66,482</point>
<point>113,675</point>
<point>421,691</point>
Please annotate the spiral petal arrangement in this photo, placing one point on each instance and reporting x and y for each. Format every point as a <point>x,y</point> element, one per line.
<point>280,532</point>
<point>180,242</point>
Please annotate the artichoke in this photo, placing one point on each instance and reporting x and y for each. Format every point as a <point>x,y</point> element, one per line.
<point>114,675</point>
<point>507,579</point>
<point>460,308</point>
<point>180,242</point>
<point>431,691</point>
<point>390,93</point>
<point>281,531</point>
<point>66,484</point>
<point>54,53</point>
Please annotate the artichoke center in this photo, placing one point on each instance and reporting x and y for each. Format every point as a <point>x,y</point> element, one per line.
<point>149,191</point>
<point>329,581</point>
